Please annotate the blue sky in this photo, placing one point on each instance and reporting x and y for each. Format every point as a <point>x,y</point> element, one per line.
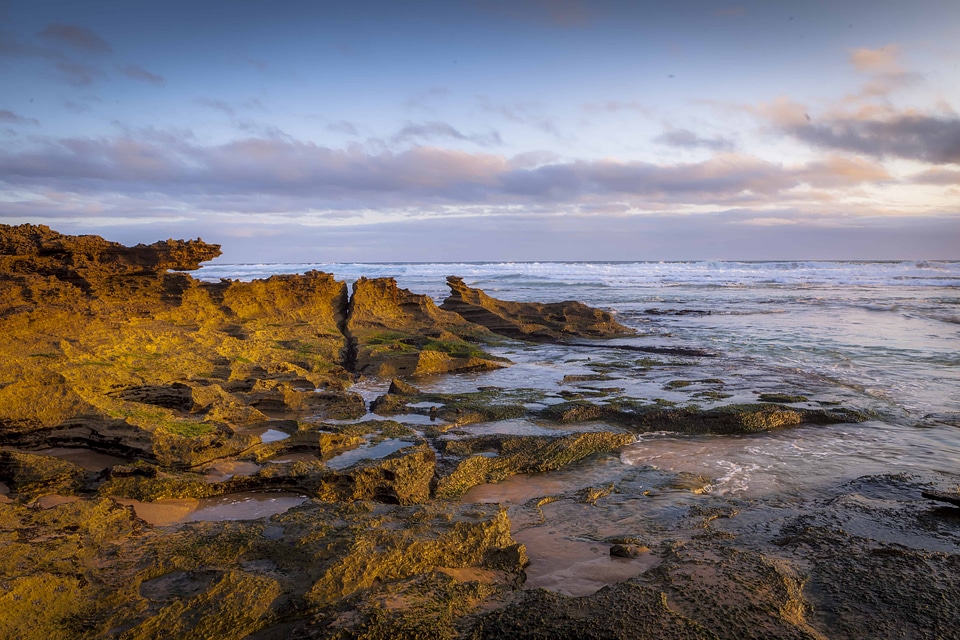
<point>488,130</point>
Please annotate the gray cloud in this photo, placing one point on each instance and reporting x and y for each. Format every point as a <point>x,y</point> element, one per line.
<point>613,106</point>
<point>136,72</point>
<point>343,126</point>
<point>422,99</point>
<point>523,113</point>
<point>78,73</point>
<point>10,117</point>
<point>937,176</point>
<point>216,105</point>
<point>438,130</point>
<point>12,46</point>
<point>688,139</point>
<point>80,38</point>
<point>265,172</point>
<point>264,130</point>
<point>918,137</point>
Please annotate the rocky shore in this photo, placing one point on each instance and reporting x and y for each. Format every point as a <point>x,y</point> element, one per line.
<point>132,394</point>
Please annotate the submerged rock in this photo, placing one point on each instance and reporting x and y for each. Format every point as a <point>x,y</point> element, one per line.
<point>534,321</point>
<point>730,419</point>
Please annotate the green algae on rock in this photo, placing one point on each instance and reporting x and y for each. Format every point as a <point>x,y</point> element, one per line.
<point>394,332</point>
<point>519,454</point>
<point>34,475</point>
<point>730,419</point>
<point>91,569</point>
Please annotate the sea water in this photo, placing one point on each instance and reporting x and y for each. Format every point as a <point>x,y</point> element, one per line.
<point>877,336</point>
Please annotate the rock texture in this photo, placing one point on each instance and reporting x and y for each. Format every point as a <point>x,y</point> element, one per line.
<point>91,569</point>
<point>394,332</point>
<point>106,349</point>
<point>534,321</point>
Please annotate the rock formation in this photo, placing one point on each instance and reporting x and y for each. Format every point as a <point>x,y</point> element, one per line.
<point>534,321</point>
<point>399,333</point>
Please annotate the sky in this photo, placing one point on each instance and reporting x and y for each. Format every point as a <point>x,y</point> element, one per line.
<point>296,131</point>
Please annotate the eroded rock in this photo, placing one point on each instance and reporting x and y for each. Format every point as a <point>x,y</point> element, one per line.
<point>534,321</point>
<point>394,332</point>
<point>518,454</point>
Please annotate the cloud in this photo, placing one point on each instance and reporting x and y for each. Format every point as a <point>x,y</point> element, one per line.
<point>522,113</point>
<point>73,65</point>
<point>882,85</point>
<point>930,138</point>
<point>867,122</point>
<point>9,117</point>
<point>136,72</point>
<point>613,106</point>
<point>216,105</point>
<point>883,60</point>
<point>840,171</point>
<point>78,73</point>
<point>259,171</point>
<point>437,130</point>
<point>270,131</point>
<point>80,38</point>
<point>782,112</point>
<point>342,126</point>
<point>937,176</point>
<point>422,99</point>
<point>688,139</point>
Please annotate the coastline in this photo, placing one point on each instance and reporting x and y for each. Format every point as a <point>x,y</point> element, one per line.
<point>179,379</point>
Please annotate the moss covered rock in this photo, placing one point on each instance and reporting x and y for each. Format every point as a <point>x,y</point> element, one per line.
<point>519,454</point>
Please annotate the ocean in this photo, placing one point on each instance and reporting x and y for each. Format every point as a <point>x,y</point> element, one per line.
<point>883,337</point>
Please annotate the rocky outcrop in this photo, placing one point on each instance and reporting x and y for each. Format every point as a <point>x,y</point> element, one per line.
<point>730,419</point>
<point>92,569</point>
<point>693,594</point>
<point>106,349</point>
<point>401,478</point>
<point>512,455</point>
<point>32,475</point>
<point>534,321</point>
<point>394,332</point>
<point>86,260</point>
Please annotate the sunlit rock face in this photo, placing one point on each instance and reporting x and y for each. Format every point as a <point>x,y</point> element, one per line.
<point>108,349</point>
<point>398,333</point>
<point>538,322</point>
